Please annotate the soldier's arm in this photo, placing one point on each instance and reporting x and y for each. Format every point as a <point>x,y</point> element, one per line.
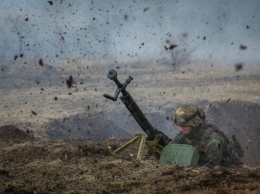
<point>179,138</point>
<point>213,152</point>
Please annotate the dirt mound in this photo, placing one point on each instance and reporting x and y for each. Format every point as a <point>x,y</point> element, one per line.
<point>78,166</point>
<point>85,126</point>
<point>240,118</point>
<point>8,132</point>
<point>233,117</point>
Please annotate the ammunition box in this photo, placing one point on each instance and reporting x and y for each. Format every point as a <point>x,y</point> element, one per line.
<point>179,154</point>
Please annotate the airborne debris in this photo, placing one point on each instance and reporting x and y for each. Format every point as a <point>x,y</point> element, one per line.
<point>184,34</point>
<point>70,81</point>
<point>41,62</point>
<point>239,66</point>
<point>167,41</point>
<point>172,46</point>
<point>146,9</point>
<point>243,47</point>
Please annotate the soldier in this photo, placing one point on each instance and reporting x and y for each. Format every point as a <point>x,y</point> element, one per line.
<point>214,148</point>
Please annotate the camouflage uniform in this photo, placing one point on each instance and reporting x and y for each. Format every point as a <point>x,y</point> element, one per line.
<point>213,146</point>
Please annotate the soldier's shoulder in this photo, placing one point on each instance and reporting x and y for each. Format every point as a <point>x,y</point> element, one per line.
<point>211,131</point>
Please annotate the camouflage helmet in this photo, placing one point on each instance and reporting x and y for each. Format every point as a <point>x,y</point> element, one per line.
<point>189,116</point>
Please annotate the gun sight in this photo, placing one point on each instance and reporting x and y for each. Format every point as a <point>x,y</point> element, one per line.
<point>112,74</point>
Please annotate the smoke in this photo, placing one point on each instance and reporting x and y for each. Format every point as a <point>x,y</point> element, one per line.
<point>130,30</point>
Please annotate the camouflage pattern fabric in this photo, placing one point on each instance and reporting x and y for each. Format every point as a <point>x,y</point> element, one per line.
<point>213,147</point>
<point>189,116</point>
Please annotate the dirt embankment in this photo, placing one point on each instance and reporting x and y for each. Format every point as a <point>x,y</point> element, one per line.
<point>238,118</point>
<point>79,166</point>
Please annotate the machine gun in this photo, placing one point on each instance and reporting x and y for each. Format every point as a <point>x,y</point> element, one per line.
<point>155,140</point>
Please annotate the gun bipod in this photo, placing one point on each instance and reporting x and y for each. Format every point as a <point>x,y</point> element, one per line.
<point>152,145</point>
<point>141,138</point>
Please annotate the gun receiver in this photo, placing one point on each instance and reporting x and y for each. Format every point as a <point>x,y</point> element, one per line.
<point>126,98</point>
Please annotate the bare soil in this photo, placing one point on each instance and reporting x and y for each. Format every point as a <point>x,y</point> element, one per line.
<point>28,165</point>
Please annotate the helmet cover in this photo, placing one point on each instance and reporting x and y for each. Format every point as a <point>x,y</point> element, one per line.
<point>188,116</point>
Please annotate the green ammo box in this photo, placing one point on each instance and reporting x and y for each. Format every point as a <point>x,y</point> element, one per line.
<point>181,154</point>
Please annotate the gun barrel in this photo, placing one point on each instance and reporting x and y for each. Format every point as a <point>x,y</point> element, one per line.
<point>129,102</point>
<point>137,113</point>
